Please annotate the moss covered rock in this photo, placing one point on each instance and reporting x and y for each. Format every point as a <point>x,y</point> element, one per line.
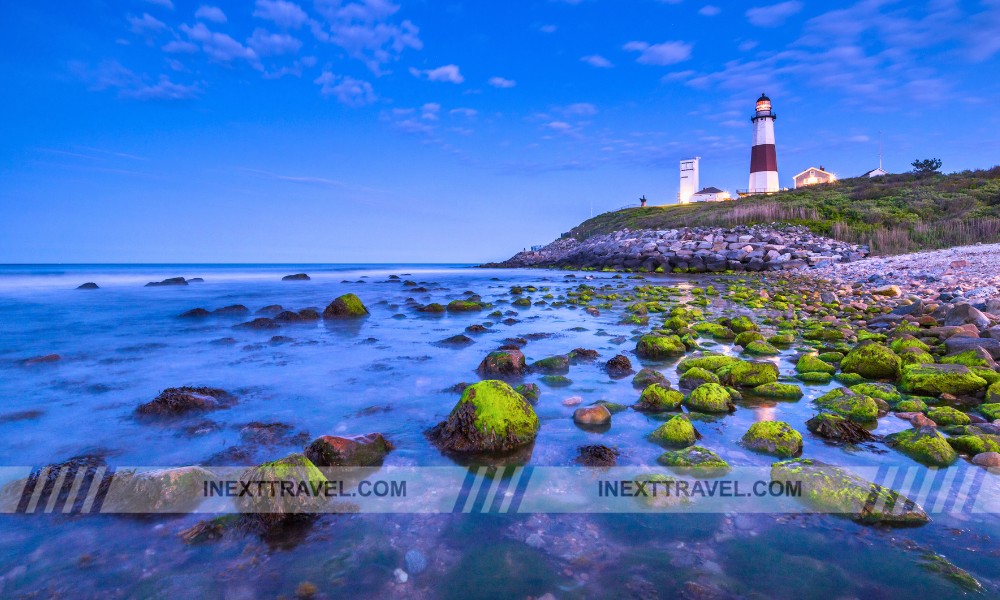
<point>711,362</point>
<point>782,340</point>
<point>348,306</point>
<point>678,432</point>
<point>781,391</point>
<point>973,357</point>
<point>972,445</point>
<point>940,379</point>
<point>658,398</point>
<point>873,361</point>
<point>880,391</point>
<point>991,411</point>
<point>993,394</point>
<point>742,323</point>
<point>710,398</point>
<point>846,403</point>
<point>464,306</point>
<point>530,391</point>
<point>773,437</point>
<point>910,405</point>
<point>849,379</point>
<point>266,510</point>
<point>759,348</point>
<point>746,337</point>
<point>695,461</point>
<point>838,491</point>
<point>692,378</point>
<point>748,374</point>
<point>946,415</point>
<point>924,445</point>
<point>659,347</point>
<point>714,330</point>
<point>818,378</point>
<point>808,363</point>
<point>368,450</point>
<point>490,417</point>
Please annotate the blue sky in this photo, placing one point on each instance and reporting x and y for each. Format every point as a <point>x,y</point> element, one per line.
<point>437,131</point>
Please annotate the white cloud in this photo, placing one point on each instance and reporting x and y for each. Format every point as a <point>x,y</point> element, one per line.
<point>747,45</point>
<point>180,47</point>
<point>667,53</point>
<point>500,82</point>
<point>210,13</point>
<point>559,126</point>
<point>269,44</point>
<point>347,90</point>
<point>281,13</point>
<point>430,111</point>
<point>145,23</point>
<point>111,75</point>
<point>446,73</point>
<point>164,89</point>
<point>365,30</point>
<point>164,3</point>
<point>465,112</point>
<point>773,15</point>
<point>580,109</point>
<point>219,46</point>
<point>709,11</point>
<point>596,60</point>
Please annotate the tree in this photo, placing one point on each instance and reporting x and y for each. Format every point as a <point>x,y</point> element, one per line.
<point>927,166</point>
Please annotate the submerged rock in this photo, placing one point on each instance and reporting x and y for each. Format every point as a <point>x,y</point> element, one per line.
<point>296,277</point>
<point>659,347</point>
<point>773,437</point>
<point>553,365</point>
<point>41,360</point>
<point>782,391</point>
<point>194,313</point>
<point>90,285</point>
<point>184,400</point>
<point>490,417</point>
<point>838,491</point>
<point>162,491</point>
<point>169,281</point>
<point>366,450</point>
<point>678,432</point>
<point>592,416</point>
<point>266,507</point>
<point>597,456</point>
<point>530,391</point>
<point>347,306</point>
<point>646,377</point>
<point>696,461</point>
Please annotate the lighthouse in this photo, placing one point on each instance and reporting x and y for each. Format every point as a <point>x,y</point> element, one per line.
<point>763,158</point>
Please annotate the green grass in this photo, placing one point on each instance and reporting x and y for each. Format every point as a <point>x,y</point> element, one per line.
<point>892,214</point>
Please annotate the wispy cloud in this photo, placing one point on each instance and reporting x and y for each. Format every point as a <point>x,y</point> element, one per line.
<point>164,3</point>
<point>774,14</point>
<point>366,30</point>
<point>709,10</point>
<point>266,43</point>
<point>219,46</point>
<point>596,60</point>
<point>210,13</point>
<point>112,75</point>
<point>446,73</point>
<point>500,82</point>
<point>283,14</point>
<point>667,53</point>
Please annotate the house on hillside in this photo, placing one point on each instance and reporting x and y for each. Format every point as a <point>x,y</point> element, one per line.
<point>813,176</point>
<point>876,172</point>
<point>710,194</point>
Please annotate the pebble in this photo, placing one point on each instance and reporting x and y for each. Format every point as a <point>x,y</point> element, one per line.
<point>572,401</point>
<point>401,576</point>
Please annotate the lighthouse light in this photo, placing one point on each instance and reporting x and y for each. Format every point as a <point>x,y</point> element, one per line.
<point>764,106</point>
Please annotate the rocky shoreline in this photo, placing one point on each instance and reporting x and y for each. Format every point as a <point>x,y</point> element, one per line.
<point>693,250</point>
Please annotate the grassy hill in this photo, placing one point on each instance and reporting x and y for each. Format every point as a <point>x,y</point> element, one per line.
<point>893,214</point>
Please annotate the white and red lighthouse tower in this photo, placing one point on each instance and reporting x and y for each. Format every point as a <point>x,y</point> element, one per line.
<point>763,157</point>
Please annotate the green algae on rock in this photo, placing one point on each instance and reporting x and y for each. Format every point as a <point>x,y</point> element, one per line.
<point>748,374</point>
<point>773,437</point>
<point>847,403</point>
<point>530,391</point>
<point>710,398</point>
<point>873,361</point>
<point>924,445</point>
<point>646,377</point>
<point>835,427</point>
<point>678,432</point>
<point>940,379</point>
<point>781,391</point>
<point>490,417</point>
<point>348,306</point>
<point>808,363</point>
<point>975,444</point>
<point>263,511</point>
<point>709,361</point>
<point>464,306</point>
<point>759,348</point>
<point>835,490</point>
<point>696,376</point>
<point>658,398</point>
<point>991,411</point>
<point>695,461</point>
<point>946,415</point>
<point>504,363</point>
<point>659,347</point>
<point>553,365</point>
<point>742,323</point>
<point>814,377</point>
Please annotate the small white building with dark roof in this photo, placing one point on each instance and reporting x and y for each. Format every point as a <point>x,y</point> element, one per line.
<point>710,194</point>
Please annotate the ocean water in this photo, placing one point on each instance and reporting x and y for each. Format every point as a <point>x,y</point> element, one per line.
<point>122,344</point>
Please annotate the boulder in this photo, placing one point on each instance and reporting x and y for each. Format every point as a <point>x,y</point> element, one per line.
<point>530,391</point>
<point>696,376</point>
<point>503,363</point>
<point>194,313</point>
<point>808,363</point>
<point>987,459</point>
<point>366,450</point>
<point>184,400</point>
<point>834,490</point>
<point>838,428</point>
<point>553,365</point>
<point>296,277</point>
<point>773,437</point>
<point>748,374</point>
<point>646,377</point>
<point>695,461</point>
<point>490,417</point>
<point>263,509</point>
<point>592,416</point>
<point>963,313</point>
<point>845,402</point>
<point>167,282</point>
<point>781,391</point>
<point>619,366</point>
<point>597,456</point>
<point>711,362</point>
<point>90,285</point>
<point>659,347</point>
<point>177,490</point>
<point>347,306</point>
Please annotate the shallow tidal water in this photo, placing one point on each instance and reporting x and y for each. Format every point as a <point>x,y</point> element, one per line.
<point>122,344</point>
